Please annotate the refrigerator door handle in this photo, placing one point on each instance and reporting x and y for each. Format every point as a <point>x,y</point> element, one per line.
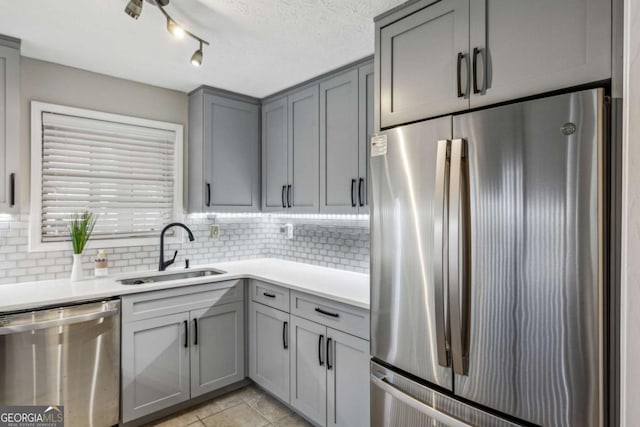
<point>440,250</point>
<point>380,381</point>
<point>458,257</point>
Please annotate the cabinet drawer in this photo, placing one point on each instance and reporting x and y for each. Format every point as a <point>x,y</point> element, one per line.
<point>272,295</point>
<point>336,315</point>
<point>160,303</point>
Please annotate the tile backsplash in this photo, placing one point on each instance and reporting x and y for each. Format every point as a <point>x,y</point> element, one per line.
<point>341,242</point>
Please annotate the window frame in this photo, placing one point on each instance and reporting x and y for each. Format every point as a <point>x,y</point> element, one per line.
<point>35,217</point>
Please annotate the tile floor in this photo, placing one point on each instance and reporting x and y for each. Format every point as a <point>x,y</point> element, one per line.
<point>247,407</point>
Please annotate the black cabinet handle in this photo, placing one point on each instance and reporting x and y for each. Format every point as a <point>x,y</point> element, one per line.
<point>195,329</point>
<point>476,52</point>
<point>360,186</point>
<point>288,196</point>
<point>327,313</point>
<point>268,295</point>
<point>186,334</point>
<point>353,198</point>
<point>320,340</point>
<point>329,365</point>
<point>285,341</point>
<point>459,76</point>
<point>284,189</point>
<point>12,189</point>
<point>208,195</point>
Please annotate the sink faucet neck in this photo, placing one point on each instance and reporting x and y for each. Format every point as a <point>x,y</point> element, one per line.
<point>162,265</point>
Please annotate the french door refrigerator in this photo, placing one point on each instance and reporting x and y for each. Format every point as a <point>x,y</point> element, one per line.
<point>487,267</point>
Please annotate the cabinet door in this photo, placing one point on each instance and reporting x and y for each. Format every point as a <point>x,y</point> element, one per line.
<point>308,374</point>
<point>365,131</point>
<point>347,380</point>
<point>303,150</point>
<point>231,155</point>
<point>269,349</point>
<point>9,126</point>
<point>530,47</point>
<point>339,144</point>
<point>217,347</point>
<point>155,364</point>
<point>419,63</point>
<point>274,155</point>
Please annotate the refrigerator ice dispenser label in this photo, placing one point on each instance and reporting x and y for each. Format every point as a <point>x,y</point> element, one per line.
<point>378,145</point>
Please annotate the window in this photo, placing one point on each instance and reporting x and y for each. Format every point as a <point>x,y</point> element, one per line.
<point>126,170</point>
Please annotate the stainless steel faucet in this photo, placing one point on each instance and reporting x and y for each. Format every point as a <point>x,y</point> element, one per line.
<point>162,266</point>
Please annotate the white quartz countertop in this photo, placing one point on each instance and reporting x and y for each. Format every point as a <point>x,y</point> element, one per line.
<point>338,285</point>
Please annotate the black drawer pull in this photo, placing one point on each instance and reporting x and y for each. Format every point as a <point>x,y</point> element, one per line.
<point>329,365</point>
<point>268,295</point>
<point>360,185</point>
<point>284,189</point>
<point>459,76</point>
<point>353,197</point>
<point>186,334</point>
<point>288,196</point>
<point>285,340</point>
<point>208,195</point>
<point>320,340</point>
<point>327,313</point>
<point>476,52</point>
<point>195,330</point>
<point>12,189</point>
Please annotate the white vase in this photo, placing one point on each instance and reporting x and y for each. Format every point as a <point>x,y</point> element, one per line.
<point>76,269</point>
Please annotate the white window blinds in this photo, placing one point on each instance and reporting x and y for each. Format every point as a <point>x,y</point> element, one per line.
<point>123,173</point>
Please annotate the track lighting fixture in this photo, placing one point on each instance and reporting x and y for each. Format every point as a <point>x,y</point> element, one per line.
<point>134,9</point>
<point>196,59</point>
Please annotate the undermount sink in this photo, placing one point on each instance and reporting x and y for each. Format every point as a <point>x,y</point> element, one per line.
<point>189,274</point>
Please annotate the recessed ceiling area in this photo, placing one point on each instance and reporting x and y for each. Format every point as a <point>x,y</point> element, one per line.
<point>258,47</point>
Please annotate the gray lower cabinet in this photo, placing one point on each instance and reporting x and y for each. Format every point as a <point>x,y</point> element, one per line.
<point>155,365</point>
<point>269,343</point>
<point>9,122</point>
<point>217,350</point>
<point>435,58</point>
<point>224,153</point>
<point>329,374</point>
<point>180,343</point>
<point>308,370</point>
<point>347,380</point>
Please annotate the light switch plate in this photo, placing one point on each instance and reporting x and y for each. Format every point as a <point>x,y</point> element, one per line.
<point>214,231</point>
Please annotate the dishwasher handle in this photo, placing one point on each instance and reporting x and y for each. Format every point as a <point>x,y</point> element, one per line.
<point>45,324</point>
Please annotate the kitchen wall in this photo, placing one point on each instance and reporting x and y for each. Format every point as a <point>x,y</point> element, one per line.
<point>630,267</point>
<point>337,243</point>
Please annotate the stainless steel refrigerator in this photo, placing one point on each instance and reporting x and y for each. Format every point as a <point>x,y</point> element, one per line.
<point>487,267</point>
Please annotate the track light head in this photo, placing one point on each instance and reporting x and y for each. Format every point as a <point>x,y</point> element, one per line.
<point>196,58</point>
<point>176,30</point>
<point>134,8</point>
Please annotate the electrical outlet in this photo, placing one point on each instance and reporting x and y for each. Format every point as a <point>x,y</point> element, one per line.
<point>214,231</point>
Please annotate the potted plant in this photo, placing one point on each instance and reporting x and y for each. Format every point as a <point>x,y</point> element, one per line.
<point>80,229</point>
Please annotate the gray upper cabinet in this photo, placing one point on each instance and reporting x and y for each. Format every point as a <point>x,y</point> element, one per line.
<point>339,145</point>
<point>524,48</point>
<point>224,153</point>
<point>274,155</point>
<point>436,58</point>
<point>366,130</point>
<point>302,195</point>
<point>217,350</point>
<point>423,61</point>
<point>9,122</point>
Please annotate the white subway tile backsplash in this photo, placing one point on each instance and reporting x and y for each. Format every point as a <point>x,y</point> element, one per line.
<point>337,243</point>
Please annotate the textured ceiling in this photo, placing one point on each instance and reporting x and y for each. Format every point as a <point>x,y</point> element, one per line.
<point>257,46</point>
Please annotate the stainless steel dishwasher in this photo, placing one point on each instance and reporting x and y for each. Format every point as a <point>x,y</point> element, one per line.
<point>64,356</point>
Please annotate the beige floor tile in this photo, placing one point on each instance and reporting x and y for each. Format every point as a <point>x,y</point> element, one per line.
<point>197,424</point>
<point>292,420</point>
<point>250,394</point>
<point>238,416</point>
<point>218,404</point>
<point>181,419</point>
<point>269,407</point>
